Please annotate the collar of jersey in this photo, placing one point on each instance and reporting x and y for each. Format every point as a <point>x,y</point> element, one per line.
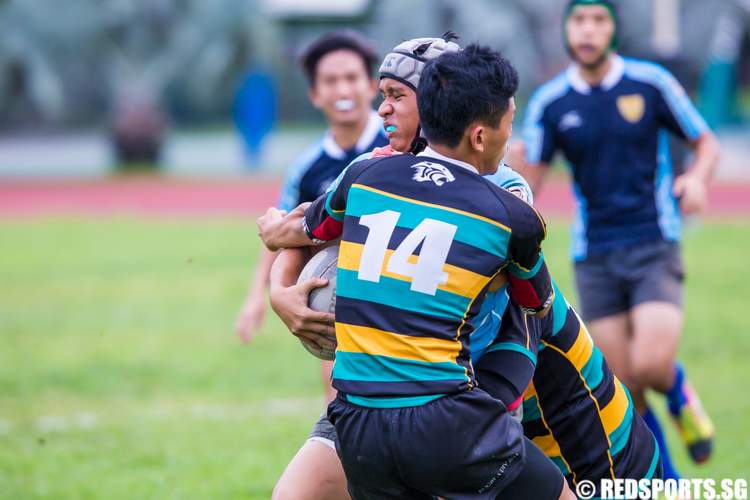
<point>428,151</point>
<point>612,78</point>
<point>372,129</point>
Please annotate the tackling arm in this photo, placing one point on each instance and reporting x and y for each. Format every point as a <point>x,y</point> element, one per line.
<point>507,367</point>
<point>529,281</point>
<point>283,231</point>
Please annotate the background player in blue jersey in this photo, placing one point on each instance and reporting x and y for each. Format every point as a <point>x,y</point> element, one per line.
<point>610,117</point>
<point>338,67</point>
<point>402,466</point>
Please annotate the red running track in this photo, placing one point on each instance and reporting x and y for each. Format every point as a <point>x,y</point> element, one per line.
<point>154,196</point>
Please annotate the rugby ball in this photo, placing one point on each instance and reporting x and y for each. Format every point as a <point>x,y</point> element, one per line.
<point>322,265</point>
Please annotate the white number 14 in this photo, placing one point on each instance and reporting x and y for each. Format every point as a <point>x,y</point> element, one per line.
<point>427,273</point>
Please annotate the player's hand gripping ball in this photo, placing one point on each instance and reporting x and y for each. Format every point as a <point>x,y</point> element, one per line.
<point>322,265</point>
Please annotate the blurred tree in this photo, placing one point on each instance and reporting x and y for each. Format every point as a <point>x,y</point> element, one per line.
<point>119,62</point>
<point>31,91</point>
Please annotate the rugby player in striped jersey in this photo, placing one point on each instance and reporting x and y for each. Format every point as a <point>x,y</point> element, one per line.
<point>509,362</point>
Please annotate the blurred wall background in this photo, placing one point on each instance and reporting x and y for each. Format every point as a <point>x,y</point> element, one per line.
<point>88,85</point>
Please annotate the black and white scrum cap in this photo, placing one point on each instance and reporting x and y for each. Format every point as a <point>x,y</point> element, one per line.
<point>407,60</point>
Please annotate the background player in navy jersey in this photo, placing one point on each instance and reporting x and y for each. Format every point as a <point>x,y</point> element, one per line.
<point>338,67</point>
<point>610,117</point>
<point>412,394</point>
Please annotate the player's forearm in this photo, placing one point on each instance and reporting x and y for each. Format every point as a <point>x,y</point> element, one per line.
<point>706,160</point>
<point>284,232</point>
<point>262,270</point>
<point>505,374</point>
<point>287,267</point>
<point>290,234</point>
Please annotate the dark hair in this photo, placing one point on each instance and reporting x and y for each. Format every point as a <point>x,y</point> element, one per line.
<point>459,88</point>
<point>331,42</point>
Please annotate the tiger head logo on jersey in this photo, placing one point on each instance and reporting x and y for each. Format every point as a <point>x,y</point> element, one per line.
<point>435,172</point>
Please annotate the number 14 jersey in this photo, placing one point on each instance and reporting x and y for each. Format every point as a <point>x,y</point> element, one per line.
<point>423,237</point>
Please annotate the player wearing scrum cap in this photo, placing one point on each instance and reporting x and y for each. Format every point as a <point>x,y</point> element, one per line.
<point>505,362</point>
<point>447,437</point>
<point>338,67</point>
<point>315,472</point>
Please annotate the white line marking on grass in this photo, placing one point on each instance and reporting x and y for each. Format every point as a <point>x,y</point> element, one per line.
<point>86,420</point>
<point>52,423</point>
<point>61,423</point>
<point>281,407</point>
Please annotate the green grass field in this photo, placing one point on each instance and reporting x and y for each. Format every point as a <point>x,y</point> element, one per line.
<point>121,377</point>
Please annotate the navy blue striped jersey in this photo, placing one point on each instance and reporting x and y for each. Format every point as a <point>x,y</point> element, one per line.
<point>313,172</point>
<point>615,139</point>
<point>422,239</point>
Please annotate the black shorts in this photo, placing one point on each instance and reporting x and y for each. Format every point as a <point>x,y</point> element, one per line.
<point>617,281</point>
<point>461,446</point>
<point>539,477</point>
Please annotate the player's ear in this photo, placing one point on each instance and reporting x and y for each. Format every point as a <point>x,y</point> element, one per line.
<point>476,137</point>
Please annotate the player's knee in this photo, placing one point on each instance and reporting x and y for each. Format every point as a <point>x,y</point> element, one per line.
<point>287,488</point>
<point>284,491</point>
<point>641,371</point>
<point>319,488</point>
<point>648,371</point>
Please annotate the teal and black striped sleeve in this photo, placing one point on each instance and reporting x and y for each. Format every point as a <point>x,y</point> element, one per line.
<point>529,281</point>
<point>324,218</point>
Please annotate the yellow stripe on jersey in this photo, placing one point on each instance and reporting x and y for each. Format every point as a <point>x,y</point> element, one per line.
<point>582,346</point>
<point>545,443</point>
<point>433,205</point>
<point>548,445</point>
<point>460,281</point>
<point>613,414</point>
<point>530,392</point>
<point>352,338</point>
<point>548,442</point>
<point>581,350</point>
